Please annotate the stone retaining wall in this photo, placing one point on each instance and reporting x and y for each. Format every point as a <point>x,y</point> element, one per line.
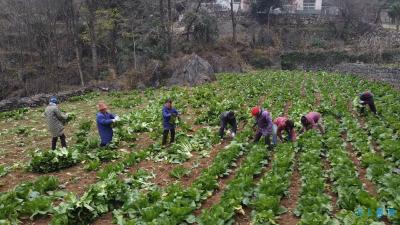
<point>369,71</point>
<point>39,100</point>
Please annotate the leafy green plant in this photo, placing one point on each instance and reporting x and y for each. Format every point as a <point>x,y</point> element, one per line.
<point>265,200</point>
<point>93,165</point>
<point>179,172</point>
<point>28,199</point>
<point>4,170</point>
<point>53,160</point>
<point>16,114</point>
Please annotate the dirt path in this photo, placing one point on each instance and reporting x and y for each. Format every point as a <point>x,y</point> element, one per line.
<point>222,183</point>
<point>317,100</point>
<point>75,178</point>
<point>245,218</point>
<point>203,163</point>
<point>369,186</point>
<point>290,201</point>
<point>329,188</point>
<point>288,106</point>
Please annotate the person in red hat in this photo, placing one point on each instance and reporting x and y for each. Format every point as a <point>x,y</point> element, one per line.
<point>264,123</point>
<point>104,120</point>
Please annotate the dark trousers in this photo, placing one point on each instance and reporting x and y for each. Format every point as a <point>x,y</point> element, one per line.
<point>54,142</point>
<point>267,139</point>
<point>224,124</point>
<point>165,136</point>
<point>371,105</point>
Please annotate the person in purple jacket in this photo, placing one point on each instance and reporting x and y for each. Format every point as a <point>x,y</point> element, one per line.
<point>367,98</point>
<point>264,123</point>
<point>170,115</point>
<point>104,120</point>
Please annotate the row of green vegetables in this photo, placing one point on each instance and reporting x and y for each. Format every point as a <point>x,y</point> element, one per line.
<point>29,199</point>
<point>87,149</point>
<point>264,198</point>
<point>164,209</point>
<point>71,210</point>
<point>380,168</point>
<point>161,206</point>
<point>297,111</point>
<point>111,170</point>
<point>238,189</point>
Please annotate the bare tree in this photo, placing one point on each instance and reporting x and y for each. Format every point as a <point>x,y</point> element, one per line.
<point>71,17</point>
<point>234,23</point>
<point>92,6</point>
<point>170,25</point>
<point>190,24</point>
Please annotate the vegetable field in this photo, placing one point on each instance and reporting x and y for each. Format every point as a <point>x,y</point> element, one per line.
<point>347,176</point>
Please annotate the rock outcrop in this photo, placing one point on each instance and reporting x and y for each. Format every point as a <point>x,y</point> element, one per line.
<point>191,70</point>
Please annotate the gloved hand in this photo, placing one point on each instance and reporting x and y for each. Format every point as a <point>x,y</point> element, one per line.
<point>116,119</point>
<point>233,134</point>
<point>361,102</point>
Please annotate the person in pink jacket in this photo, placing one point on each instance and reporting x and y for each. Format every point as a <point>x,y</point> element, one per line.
<point>284,124</point>
<point>312,121</point>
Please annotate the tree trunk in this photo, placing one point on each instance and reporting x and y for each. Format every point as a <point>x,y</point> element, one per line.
<point>233,24</point>
<point>76,46</point>
<point>192,21</point>
<point>162,21</point>
<point>79,62</point>
<point>170,31</point>
<point>92,24</point>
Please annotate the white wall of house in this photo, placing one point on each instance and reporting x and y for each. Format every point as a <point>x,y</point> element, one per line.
<point>300,5</point>
<point>227,4</point>
<point>318,4</point>
<point>243,5</point>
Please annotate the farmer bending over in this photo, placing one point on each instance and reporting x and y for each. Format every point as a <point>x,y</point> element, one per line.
<point>283,124</point>
<point>312,121</point>
<point>367,98</point>
<point>264,123</point>
<point>228,118</point>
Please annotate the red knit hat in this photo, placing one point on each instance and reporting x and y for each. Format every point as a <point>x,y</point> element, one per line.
<point>102,106</point>
<point>255,111</point>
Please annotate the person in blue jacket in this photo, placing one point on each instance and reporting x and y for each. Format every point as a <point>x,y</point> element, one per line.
<point>170,115</point>
<point>104,120</point>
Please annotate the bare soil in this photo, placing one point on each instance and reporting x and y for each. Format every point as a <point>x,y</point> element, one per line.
<point>245,218</point>
<point>290,201</point>
<point>329,188</point>
<point>222,183</point>
<point>369,186</point>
